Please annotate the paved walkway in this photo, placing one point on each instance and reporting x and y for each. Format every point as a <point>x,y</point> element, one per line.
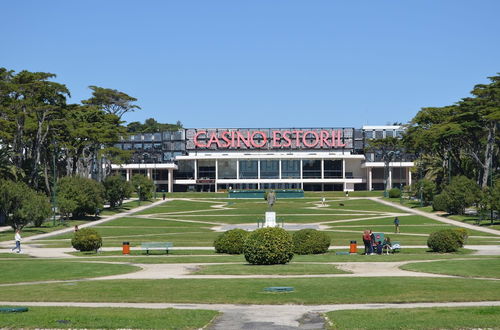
<point>436,217</point>
<point>269,317</point>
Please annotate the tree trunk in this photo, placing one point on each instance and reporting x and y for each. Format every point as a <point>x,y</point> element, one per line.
<point>488,153</point>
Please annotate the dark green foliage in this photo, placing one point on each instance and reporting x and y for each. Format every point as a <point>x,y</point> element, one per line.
<point>22,205</point>
<point>461,193</point>
<point>231,241</point>
<point>310,241</point>
<point>116,189</point>
<point>426,190</point>
<point>394,193</point>
<point>439,202</point>
<point>143,186</point>
<point>446,240</point>
<point>79,196</point>
<point>152,126</point>
<point>86,239</point>
<point>268,246</point>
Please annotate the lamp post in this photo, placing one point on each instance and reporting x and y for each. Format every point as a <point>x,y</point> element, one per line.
<point>400,178</point>
<point>139,192</point>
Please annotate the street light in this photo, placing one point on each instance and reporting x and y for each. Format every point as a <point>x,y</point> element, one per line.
<point>54,186</point>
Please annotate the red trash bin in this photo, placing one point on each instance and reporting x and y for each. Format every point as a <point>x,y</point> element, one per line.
<point>353,247</point>
<point>126,248</point>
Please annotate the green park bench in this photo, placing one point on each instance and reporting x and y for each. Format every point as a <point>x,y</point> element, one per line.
<point>156,246</point>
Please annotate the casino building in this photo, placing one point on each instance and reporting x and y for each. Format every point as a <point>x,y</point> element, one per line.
<point>313,159</point>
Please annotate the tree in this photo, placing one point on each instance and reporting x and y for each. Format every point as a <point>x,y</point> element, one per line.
<point>143,186</point>
<point>79,196</point>
<point>111,101</point>
<point>116,189</point>
<point>389,149</point>
<point>461,193</point>
<point>425,189</point>
<point>152,126</point>
<point>22,205</point>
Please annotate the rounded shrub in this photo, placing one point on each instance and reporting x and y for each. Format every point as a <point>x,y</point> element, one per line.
<point>440,202</point>
<point>231,241</point>
<point>310,241</point>
<point>394,193</point>
<point>86,239</point>
<point>268,246</point>
<point>446,240</point>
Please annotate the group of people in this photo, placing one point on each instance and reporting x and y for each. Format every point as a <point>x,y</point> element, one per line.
<point>374,246</point>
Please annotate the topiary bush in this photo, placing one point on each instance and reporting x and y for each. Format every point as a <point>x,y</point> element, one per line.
<point>231,241</point>
<point>310,241</point>
<point>394,193</point>
<point>446,240</point>
<point>440,202</point>
<point>268,246</point>
<point>86,239</point>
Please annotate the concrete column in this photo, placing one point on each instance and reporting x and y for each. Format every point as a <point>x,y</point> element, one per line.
<point>369,178</point>
<point>301,174</point>
<point>258,169</point>
<point>170,180</point>
<point>148,173</point>
<point>279,169</point>
<point>128,170</point>
<point>195,169</point>
<point>389,179</point>
<point>216,173</point>
<point>237,169</point>
<point>322,168</point>
<point>409,176</point>
<point>343,168</point>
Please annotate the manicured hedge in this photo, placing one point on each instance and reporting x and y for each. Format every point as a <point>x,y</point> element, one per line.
<point>86,239</point>
<point>231,241</point>
<point>268,246</point>
<point>310,241</point>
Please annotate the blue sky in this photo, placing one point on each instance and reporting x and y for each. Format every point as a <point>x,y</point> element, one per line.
<point>260,63</point>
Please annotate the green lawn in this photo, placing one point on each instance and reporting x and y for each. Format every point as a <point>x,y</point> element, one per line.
<point>107,318</point>
<point>466,268</point>
<point>288,269</point>
<point>417,318</point>
<point>250,291</point>
<point>23,270</point>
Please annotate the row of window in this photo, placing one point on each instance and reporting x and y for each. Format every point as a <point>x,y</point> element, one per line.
<point>269,169</point>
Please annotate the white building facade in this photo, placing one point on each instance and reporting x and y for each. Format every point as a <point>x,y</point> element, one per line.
<point>312,159</point>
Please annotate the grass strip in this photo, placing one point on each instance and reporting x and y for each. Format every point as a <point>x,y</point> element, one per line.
<point>467,268</point>
<point>14,271</point>
<point>326,290</point>
<point>417,318</point>
<point>107,318</point>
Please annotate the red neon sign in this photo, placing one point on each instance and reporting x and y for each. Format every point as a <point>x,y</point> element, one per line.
<point>278,139</point>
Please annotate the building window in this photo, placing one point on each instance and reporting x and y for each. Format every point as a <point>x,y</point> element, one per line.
<point>269,169</point>
<point>290,169</point>
<point>248,169</point>
<point>185,170</point>
<point>333,169</point>
<point>311,169</point>
<point>227,168</point>
<point>206,169</point>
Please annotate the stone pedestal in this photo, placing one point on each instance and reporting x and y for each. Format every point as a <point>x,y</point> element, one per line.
<point>270,219</point>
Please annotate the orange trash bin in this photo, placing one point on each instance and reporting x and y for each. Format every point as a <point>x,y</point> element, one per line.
<point>126,248</point>
<point>353,247</point>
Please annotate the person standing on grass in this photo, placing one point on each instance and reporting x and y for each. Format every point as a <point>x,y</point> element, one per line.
<point>17,238</point>
<point>396,225</point>
<point>367,242</point>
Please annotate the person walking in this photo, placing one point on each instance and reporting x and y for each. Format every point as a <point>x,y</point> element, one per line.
<point>17,238</point>
<point>396,225</point>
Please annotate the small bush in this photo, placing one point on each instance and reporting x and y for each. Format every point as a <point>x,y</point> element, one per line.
<point>86,239</point>
<point>394,193</point>
<point>446,240</point>
<point>231,241</point>
<point>268,246</point>
<point>463,234</point>
<point>310,241</point>
<point>440,202</point>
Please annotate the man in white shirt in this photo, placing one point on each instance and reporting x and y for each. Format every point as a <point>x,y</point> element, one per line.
<point>17,238</point>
